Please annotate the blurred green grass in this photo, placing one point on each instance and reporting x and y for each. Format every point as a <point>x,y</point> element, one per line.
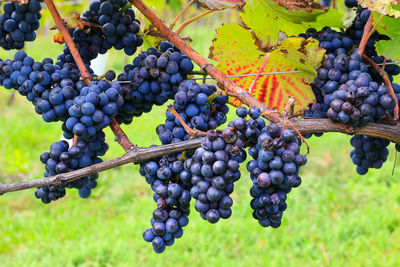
<point>335,218</point>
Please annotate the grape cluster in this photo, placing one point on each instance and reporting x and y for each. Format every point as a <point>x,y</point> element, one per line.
<point>92,110</point>
<point>119,28</point>
<point>350,92</point>
<point>172,198</point>
<point>214,167</point>
<point>152,79</point>
<point>274,171</point>
<point>18,24</point>
<point>166,175</point>
<point>51,88</point>
<point>346,89</point>
<point>368,152</point>
<point>335,43</point>
<point>173,202</point>
<point>63,158</point>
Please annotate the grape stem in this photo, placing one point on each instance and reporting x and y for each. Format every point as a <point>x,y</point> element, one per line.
<point>226,84</point>
<point>190,21</point>
<point>288,108</point>
<point>388,84</point>
<point>390,132</point>
<point>374,27</point>
<point>90,24</point>
<point>190,131</point>
<point>383,66</point>
<point>365,37</point>
<point>368,31</point>
<point>120,136</point>
<point>180,14</point>
<point>75,140</point>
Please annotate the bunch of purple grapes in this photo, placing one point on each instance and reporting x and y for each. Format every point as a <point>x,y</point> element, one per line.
<point>152,79</point>
<point>166,175</point>
<point>214,167</point>
<point>274,171</point>
<point>119,27</point>
<point>351,93</point>
<point>369,152</point>
<point>64,158</point>
<point>18,24</point>
<point>51,88</point>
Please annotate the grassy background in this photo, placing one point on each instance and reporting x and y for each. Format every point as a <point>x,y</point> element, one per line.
<point>336,218</point>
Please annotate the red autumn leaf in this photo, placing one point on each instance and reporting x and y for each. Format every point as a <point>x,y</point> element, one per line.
<point>238,56</point>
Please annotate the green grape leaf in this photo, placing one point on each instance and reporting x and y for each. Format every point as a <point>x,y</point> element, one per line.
<point>384,7</point>
<point>389,48</point>
<point>242,56</point>
<point>220,4</point>
<point>267,19</point>
<point>388,25</point>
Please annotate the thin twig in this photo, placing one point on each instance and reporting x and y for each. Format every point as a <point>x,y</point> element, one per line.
<point>85,74</point>
<point>374,27</point>
<point>186,23</point>
<point>365,37</point>
<point>190,131</point>
<point>75,140</point>
<point>180,14</point>
<point>383,66</point>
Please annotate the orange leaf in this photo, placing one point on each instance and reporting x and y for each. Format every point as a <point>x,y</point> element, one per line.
<point>58,38</point>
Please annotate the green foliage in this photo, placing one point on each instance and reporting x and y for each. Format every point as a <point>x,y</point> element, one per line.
<point>390,27</point>
<point>389,48</point>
